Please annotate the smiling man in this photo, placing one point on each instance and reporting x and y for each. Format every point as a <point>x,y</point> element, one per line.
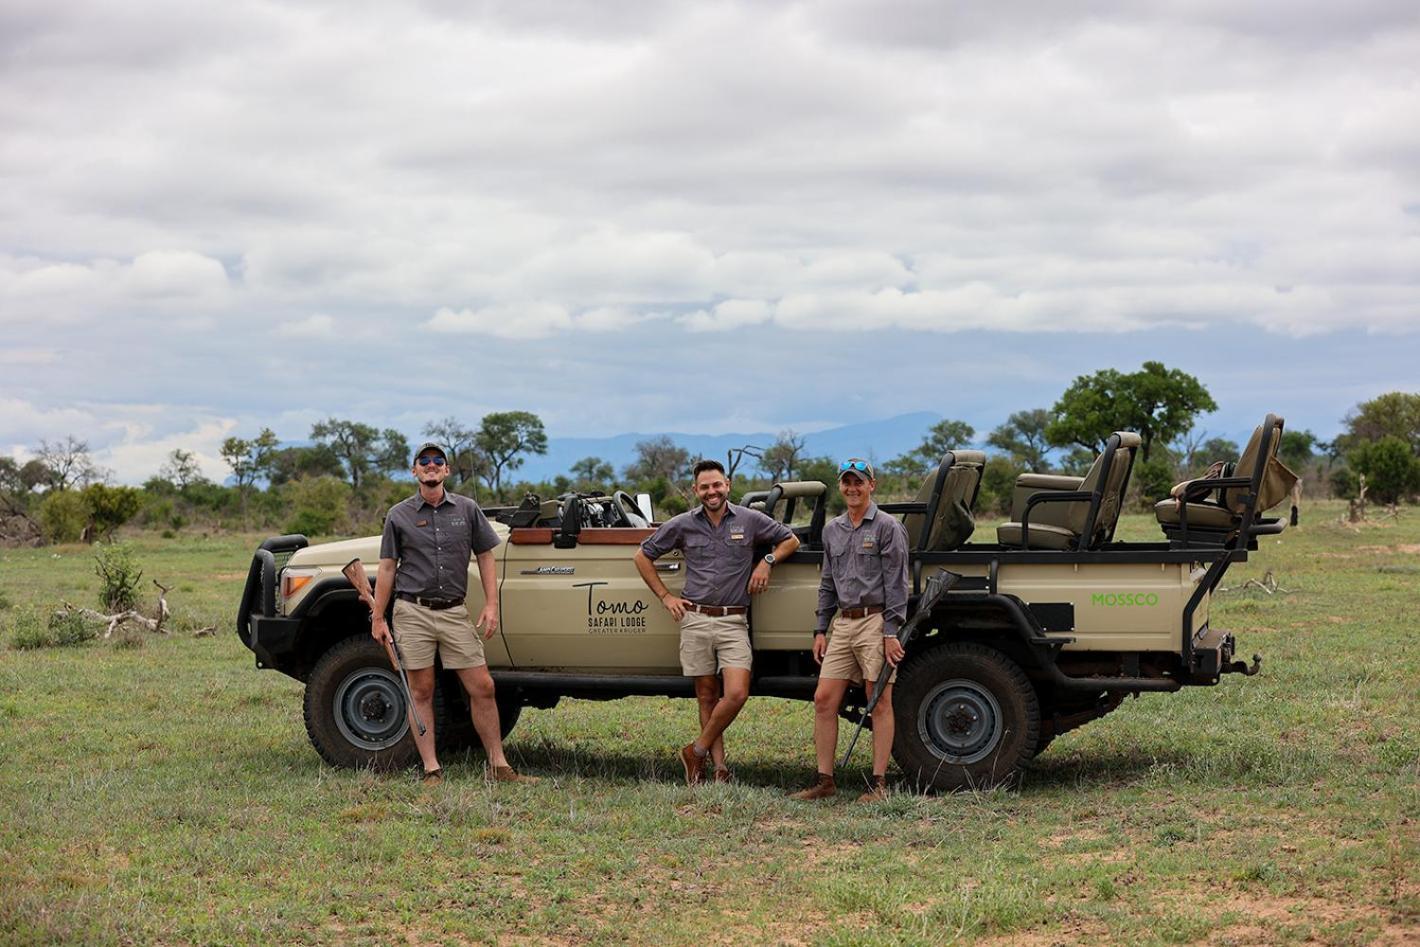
<point>718,539</point>
<point>424,555</point>
<point>865,583</point>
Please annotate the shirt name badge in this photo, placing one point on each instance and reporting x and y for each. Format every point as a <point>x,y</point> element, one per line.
<point>869,542</point>
<point>456,522</point>
<point>737,534</point>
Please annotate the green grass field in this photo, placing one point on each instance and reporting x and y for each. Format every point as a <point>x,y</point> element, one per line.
<point>167,794</point>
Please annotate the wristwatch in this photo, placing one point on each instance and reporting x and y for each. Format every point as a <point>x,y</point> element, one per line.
<point>769,558</point>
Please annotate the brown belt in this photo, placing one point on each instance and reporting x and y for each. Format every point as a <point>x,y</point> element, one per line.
<point>860,611</point>
<point>717,611</point>
<point>433,604</point>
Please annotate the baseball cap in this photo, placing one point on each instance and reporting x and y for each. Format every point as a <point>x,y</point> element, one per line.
<point>427,447</point>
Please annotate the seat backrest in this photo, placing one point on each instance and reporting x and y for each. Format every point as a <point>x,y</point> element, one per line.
<point>1108,476</point>
<point>1270,477</point>
<point>952,524</point>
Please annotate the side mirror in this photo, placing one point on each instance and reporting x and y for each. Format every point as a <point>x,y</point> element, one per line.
<point>643,502</point>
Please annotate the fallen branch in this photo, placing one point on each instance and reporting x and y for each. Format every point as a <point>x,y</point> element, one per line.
<point>1268,584</point>
<point>154,625</point>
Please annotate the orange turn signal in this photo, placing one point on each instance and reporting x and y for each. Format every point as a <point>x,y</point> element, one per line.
<point>291,584</point>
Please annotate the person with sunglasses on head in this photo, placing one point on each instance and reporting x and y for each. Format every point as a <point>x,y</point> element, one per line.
<point>864,591</point>
<point>718,539</point>
<point>424,555</point>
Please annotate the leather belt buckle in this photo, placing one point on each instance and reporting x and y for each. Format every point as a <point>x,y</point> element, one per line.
<point>860,611</point>
<point>718,611</point>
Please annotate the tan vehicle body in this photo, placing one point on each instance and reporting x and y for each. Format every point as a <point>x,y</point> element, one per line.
<point>1046,628</point>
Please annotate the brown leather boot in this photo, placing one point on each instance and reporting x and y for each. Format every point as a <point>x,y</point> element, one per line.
<point>723,775</point>
<point>877,792</point>
<point>506,774</point>
<point>694,764</point>
<point>822,788</point>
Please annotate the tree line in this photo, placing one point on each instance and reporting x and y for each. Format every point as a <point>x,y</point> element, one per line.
<point>351,472</point>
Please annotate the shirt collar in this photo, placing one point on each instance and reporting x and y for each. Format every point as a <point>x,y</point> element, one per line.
<point>420,502</point>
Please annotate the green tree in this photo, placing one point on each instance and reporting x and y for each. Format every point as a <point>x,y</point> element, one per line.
<point>659,457</point>
<point>1023,437</point>
<point>249,460</point>
<point>109,508</point>
<point>591,473</point>
<point>1158,403</point>
<point>362,448</point>
<point>1298,448</point>
<point>505,435</point>
<point>1393,414</point>
<point>293,463</point>
<point>940,438</point>
<point>1392,471</point>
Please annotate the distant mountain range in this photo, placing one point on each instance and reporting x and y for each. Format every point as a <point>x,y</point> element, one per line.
<point>876,440</point>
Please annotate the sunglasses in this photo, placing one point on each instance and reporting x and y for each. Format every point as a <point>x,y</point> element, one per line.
<point>429,460</point>
<point>859,465</point>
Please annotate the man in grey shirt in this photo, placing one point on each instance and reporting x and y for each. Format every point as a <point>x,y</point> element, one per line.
<point>718,539</point>
<point>865,583</point>
<point>424,555</point>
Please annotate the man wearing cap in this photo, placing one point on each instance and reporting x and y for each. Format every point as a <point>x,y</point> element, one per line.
<point>718,539</point>
<point>424,557</point>
<point>865,582</point>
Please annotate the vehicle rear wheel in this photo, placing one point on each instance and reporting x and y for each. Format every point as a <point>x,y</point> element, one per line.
<point>967,717</point>
<point>355,709</point>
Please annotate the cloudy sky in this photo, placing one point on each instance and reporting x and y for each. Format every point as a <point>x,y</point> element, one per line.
<point>708,216</point>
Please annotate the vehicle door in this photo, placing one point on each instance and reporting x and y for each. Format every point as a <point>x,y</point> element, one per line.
<point>585,608</point>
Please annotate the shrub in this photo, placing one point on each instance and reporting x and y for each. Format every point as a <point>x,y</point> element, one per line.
<point>1344,483</point>
<point>118,574</point>
<point>998,484</point>
<point>1153,478</point>
<point>27,631</point>
<point>30,631</point>
<point>5,602</point>
<point>319,505</point>
<point>62,516</point>
<point>71,628</point>
<point>109,508</point>
<point>1392,471</point>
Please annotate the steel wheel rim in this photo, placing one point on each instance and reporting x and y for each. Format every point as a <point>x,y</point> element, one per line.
<point>960,721</point>
<point>369,709</point>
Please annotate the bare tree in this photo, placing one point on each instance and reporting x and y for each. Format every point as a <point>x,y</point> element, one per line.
<point>466,461</point>
<point>182,469</point>
<point>69,464</point>
<point>659,457</point>
<point>780,459</point>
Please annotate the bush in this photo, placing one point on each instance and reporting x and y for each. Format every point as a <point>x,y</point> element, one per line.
<point>63,516</point>
<point>1153,478</point>
<point>1345,484</point>
<point>319,505</point>
<point>5,602</point>
<point>998,484</point>
<point>29,630</point>
<point>1392,471</point>
<point>109,508</point>
<point>118,574</point>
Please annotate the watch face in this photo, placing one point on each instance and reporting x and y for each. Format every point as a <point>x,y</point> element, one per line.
<point>770,558</point>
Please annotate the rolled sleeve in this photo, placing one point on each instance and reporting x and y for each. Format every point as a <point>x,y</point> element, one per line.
<point>771,530</point>
<point>895,584</point>
<point>664,539</point>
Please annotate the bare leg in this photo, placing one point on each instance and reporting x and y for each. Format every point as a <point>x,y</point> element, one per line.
<point>421,688</point>
<point>707,695</point>
<point>484,711</point>
<point>883,726</point>
<point>724,711</point>
<point>828,697</point>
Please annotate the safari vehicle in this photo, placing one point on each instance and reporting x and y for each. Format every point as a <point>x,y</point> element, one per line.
<point>1050,625</point>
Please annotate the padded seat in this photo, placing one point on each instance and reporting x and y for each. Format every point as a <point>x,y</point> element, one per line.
<point>953,523</point>
<point>1211,510</point>
<point>1042,536</point>
<point>1043,516</point>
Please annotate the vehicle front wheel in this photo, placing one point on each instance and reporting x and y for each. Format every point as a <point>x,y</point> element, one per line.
<point>355,709</point>
<point>967,717</point>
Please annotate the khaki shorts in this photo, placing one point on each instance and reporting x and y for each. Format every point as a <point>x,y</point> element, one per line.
<point>709,644</point>
<point>422,631</point>
<point>855,650</point>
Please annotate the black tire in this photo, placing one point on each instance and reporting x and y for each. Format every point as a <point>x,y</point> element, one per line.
<point>355,708</point>
<point>967,717</point>
<point>455,727</point>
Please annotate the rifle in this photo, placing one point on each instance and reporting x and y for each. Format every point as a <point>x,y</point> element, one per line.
<point>938,585</point>
<point>355,571</point>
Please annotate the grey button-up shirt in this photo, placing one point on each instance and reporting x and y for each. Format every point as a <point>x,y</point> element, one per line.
<point>864,566</point>
<point>718,559</point>
<point>433,544</point>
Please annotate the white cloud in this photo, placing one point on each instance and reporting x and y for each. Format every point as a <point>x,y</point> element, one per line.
<point>510,321</point>
<point>728,315</point>
<point>315,326</point>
